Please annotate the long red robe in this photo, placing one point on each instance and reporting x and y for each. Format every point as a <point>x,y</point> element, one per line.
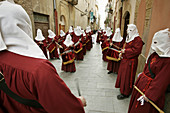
<point>35,79</point>
<point>128,66</point>
<point>89,44</point>
<point>105,45</point>
<point>60,41</point>
<point>83,40</point>
<point>43,46</point>
<point>114,65</point>
<point>153,88</point>
<point>68,64</point>
<point>98,37</point>
<point>78,48</point>
<point>54,51</point>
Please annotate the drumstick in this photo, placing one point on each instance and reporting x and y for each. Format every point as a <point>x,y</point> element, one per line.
<point>154,105</point>
<point>77,86</point>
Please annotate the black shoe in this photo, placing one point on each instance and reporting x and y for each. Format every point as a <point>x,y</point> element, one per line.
<point>121,96</point>
<point>110,72</point>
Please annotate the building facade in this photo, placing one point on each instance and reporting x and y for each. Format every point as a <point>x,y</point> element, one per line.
<point>59,14</point>
<point>76,15</point>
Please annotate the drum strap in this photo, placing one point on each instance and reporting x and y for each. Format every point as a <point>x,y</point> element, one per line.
<point>5,89</point>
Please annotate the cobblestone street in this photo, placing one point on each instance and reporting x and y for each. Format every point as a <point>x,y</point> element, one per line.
<point>95,84</point>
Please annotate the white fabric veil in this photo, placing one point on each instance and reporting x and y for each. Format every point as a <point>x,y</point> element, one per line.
<point>16,31</point>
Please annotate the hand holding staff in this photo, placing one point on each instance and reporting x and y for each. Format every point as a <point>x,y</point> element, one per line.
<point>154,105</point>
<point>78,89</point>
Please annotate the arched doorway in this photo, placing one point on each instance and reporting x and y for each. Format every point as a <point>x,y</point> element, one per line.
<point>126,22</point>
<point>62,23</point>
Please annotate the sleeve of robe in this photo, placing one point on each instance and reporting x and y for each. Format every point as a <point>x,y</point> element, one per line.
<point>160,83</point>
<point>52,93</point>
<point>135,49</point>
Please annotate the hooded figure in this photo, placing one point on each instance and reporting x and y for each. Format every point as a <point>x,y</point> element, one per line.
<point>108,32</point>
<point>129,61</point>
<point>107,38</point>
<point>68,42</point>
<point>88,29</point>
<point>83,40</point>
<point>117,36</point>
<point>39,36</point>
<point>132,32</point>
<point>68,56</point>
<point>27,72</point>
<point>160,43</point>
<point>41,42</point>
<point>154,79</point>
<point>99,33</point>
<point>70,29</point>
<point>62,33</point>
<point>89,43</point>
<point>51,34</point>
<point>52,45</point>
<point>113,55</point>
<point>77,43</point>
<point>20,28</point>
<point>78,31</point>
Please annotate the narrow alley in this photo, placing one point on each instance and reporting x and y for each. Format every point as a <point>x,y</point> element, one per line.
<point>96,85</point>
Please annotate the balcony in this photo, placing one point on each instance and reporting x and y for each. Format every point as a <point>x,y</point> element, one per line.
<point>72,2</point>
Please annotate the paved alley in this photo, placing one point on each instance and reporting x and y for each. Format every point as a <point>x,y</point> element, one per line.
<point>95,84</point>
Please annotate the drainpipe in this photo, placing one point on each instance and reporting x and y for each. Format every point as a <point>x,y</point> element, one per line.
<point>55,18</point>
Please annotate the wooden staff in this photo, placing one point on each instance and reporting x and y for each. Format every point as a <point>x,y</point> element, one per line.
<point>154,105</point>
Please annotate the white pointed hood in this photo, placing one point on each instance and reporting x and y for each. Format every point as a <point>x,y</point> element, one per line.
<point>78,31</point>
<point>62,33</point>
<point>51,34</point>
<point>132,32</point>
<point>68,40</point>
<point>39,36</point>
<point>16,31</point>
<point>108,31</point>
<point>161,43</point>
<point>88,29</point>
<point>117,36</point>
<point>70,30</point>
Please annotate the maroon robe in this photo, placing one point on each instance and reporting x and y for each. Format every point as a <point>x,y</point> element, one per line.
<point>36,79</point>
<point>89,44</point>
<point>60,41</point>
<point>68,64</point>
<point>114,65</point>
<point>42,46</point>
<point>105,45</point>
<point>83,40</point>
<point>128,66</point>
<point>78,49</point>
<point>153,87</point>
<point>52,47</point>
<point>98,37</point>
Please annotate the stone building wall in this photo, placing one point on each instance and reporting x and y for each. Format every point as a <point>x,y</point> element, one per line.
<point>39,6</point>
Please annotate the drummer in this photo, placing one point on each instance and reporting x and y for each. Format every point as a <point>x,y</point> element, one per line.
<point>68,57</point>
<point>113,52</point>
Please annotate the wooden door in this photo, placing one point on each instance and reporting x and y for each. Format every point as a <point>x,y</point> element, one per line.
<point>44,28</point>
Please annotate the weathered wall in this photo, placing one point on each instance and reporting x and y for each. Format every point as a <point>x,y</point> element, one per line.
<point>44,7</point>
